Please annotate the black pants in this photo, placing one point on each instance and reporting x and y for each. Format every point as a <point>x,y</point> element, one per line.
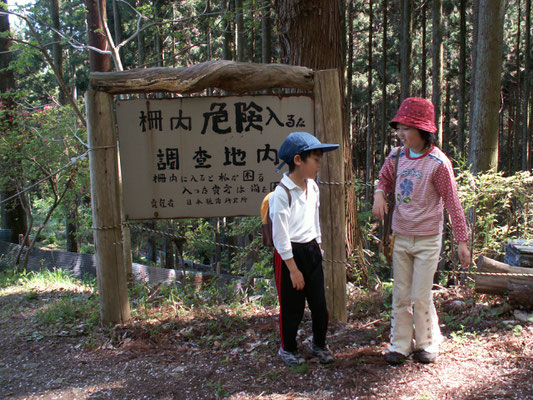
<point>308,258</point>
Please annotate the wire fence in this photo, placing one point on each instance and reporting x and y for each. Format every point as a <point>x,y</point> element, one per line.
<point>355,184</point>
<point>344,262</point>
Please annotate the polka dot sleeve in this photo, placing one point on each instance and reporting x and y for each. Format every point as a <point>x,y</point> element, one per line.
<point>446,187</point>
<point>386,174</point>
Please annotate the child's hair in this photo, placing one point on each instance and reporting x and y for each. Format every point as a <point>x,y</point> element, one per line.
<point>303,156</point>
<point>430,139</point>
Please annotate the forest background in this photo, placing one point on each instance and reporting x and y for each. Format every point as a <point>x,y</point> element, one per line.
<point>471,58</point>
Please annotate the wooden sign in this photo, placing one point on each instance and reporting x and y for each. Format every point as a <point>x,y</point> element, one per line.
<point>204,156</point>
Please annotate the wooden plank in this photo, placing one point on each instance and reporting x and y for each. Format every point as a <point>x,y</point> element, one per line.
<point>328,124</point>
<point>105,199</point>
<point>235,77</point>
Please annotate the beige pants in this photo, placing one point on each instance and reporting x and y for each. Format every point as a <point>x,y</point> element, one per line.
<point>414,325</point>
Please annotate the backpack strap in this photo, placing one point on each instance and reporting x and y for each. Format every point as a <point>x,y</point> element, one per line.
<point>288,192</point>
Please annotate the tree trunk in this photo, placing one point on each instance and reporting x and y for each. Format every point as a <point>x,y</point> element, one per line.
<point>406,26</point>
<point>71,226</point>
<point>349,67</point>
<point>239,22</point>
<point>424,52</point>
<point>369,147</point>
<point>525,94</point>
<point>158,40</point>
<point>13,214</point>
<point>461,112</point>
<point>437,69</point>
<point>57,50</point>
<point>475,23</point>
<point>71,230</point>
<point>486,99</point>
<point>266,33</point>
<point>446,133</point>
<point>225,7</point>
<point>384,116</point>
<point>310,34</point>
<point>517,133</point>
<point>96,38</point>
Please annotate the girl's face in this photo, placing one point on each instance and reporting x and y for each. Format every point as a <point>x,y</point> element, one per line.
<point>410,137</point>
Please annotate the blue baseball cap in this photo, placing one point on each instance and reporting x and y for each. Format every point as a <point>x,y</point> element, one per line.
<point>298,142</point>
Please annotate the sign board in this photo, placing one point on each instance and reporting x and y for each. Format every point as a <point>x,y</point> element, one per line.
<point>204,156</point>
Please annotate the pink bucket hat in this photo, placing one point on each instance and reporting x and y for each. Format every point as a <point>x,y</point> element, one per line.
<point>416,112</point>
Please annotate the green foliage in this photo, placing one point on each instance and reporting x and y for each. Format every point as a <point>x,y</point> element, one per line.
<point>501,207</point>
<point>255,259</point>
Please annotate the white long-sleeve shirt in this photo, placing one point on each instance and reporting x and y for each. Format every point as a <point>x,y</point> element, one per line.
<point>300,223</point>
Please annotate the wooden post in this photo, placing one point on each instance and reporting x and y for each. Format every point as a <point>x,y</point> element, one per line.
<point>105,197</point>
<point>328,111</point>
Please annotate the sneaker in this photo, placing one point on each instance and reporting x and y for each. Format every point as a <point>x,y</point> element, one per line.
<point>324,355</point>
<point>424,357</point>
<point>395,358</point>
<point>290,358</point>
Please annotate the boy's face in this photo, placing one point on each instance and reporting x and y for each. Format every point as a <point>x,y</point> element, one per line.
<point>310,167</point>
<point>410,137</point>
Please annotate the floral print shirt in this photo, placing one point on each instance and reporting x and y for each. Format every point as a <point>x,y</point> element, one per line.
<point>423,185</point>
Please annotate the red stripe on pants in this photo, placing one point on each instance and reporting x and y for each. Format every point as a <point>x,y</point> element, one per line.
<point>277,277</point>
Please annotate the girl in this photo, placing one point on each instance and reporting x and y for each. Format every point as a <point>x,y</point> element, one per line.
<point>424,180</point>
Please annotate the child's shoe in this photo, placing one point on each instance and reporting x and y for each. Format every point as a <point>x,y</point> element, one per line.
<point>395,358</point>
<point>424,357</point>
<point>290,358</point>
<point>325,356</point>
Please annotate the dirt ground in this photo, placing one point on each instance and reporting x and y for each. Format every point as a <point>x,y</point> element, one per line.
<point>487,355</point>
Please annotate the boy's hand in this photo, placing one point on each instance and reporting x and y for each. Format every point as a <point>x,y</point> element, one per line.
<point>464,254</point>
<point>380,208</point>
<point>297,278</point>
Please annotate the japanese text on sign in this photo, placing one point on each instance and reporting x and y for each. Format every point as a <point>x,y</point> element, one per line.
<point>204,156</point>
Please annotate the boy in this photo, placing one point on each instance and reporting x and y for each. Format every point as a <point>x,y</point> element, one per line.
<point>298,256</point>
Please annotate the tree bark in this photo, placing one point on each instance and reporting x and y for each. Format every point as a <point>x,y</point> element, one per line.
<point>406,26</point>
<point>475,23</point>
<point>266,33</point>
<point>384,114</point>
<point>349,67</point>
<point>424,52</point>
<point>437,70</point>
<point>158,40</point>
<point>369,146</point>
<point>461,112</point>
<point>13,214</point>
<point>486,99</point>
<point>310,34</point>
<point>525,94</point>
<point>96,37</point>
<point>239,23</point>
<point>226,26</point>
<point>517,133</point>
<point>57,50</point>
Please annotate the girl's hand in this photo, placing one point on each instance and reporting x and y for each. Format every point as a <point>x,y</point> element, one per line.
<point>380,208</point>
<point>464,254</point>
